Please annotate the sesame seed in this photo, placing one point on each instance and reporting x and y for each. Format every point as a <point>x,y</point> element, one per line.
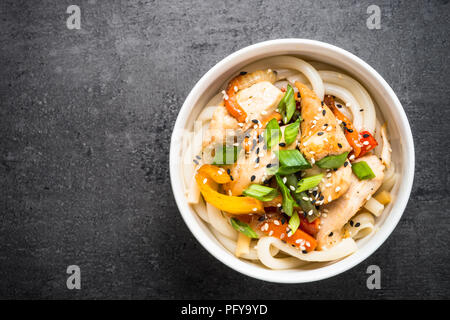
<point>339,145</point>
<point>255,209</point>
<point>195,161</point>
<point>357,225</point>
<point>282,144</point>
<point>337,189</point>
<point>205,180</point>
<point>366,143</point>
<point>270,233</point>
<point>255,121</point>
<point>331,234</point>
<point>253,178</point>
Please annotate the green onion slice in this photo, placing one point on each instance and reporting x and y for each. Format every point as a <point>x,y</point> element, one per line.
<point>260,192</point>
<point>309,183</point>
<point>332,162</point>
<point>287,104</point>
<point>310,211</point>
<point>294,222</point>
<point>291,132</point>
<point>362,170</point>
<point>288,201</point>
<point>243,227</point>
<point>273,133</point>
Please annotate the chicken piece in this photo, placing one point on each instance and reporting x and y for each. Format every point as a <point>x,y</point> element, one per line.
<point>341,210</point>
<point>258,101</point>
<point>222,124</point>
<point>250,168</point>
<point>321,134</point>
<point>335,183</point>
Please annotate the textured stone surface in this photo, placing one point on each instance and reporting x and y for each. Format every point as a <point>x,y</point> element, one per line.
<point>86,118</point>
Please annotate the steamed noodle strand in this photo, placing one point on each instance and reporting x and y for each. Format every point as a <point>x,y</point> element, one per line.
<point>269,251</point>
<point>358,91</point>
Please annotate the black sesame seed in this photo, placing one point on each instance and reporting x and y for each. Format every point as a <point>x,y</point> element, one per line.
<point>228,171</point>
<point>361,110</point>
<point>324,112</point>
<point>298,95</point>
<point>195,161</point>
<point>320,133</point>
<point>252,178</point>
<point>357,225</point>
<point>231,177</point>
<point>321,102</point>
<point>304,251</point>
<point>331,234</point>
<point>317,207</point>
<point>339,106</point>
<point>283,220</point>
<point>255,121</point>
<point>257,150</point>
<point>314,193</point>
<point>269,165</point>
<point>365,135</point>
<point>345,124</point>
<point>345,163</point>
<point>321,198</point>
<point>243,73</point>
<point>325,125</point>
<point>339,145</point>
<point>293,245</point>
<point>351,223</point>
<point>198,157</point>
<point>257,160</point>
<point>350,130</point>
<point>262,218</point>
<point>282,144</point>
<point>335,169</point>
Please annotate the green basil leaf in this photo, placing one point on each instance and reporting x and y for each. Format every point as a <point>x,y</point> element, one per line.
<point>332,162</point>
<point>243,227</point>
<point>260,192</point>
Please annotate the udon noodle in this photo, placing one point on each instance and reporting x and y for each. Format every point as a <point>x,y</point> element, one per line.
<point>261,206</point>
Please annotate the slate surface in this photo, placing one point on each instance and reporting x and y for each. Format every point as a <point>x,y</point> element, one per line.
<point>86,118</point>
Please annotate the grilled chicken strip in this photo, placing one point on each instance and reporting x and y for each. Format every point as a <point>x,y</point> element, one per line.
<point>341,210</point>
<point>321,134</point>
<point>335,183</point>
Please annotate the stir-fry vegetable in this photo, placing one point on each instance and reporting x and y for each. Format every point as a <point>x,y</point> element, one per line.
<point>291,161</point>
<point>273,133</point>
<point>291,132</point>
<point>332,162</point>
<point>277,227</point>
<point>260,192</point>
<point>368,142</point>
<point>288,201</point>
<point>294,222</point>
<point>311,228</point>
<point>243,227</point>
<point>287,105</point>
<point>350,132</point>
<point>362,170</point>
<point>309,183</point>
<point>208,176</point>
<point>310,211</point>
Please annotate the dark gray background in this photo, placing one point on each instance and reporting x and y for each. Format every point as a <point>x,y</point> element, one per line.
<point>86,119</point>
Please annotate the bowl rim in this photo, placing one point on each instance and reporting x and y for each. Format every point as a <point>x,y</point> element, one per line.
<point>292,275</point>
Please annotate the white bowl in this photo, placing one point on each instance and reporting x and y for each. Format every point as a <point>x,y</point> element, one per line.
<point>384,97</point>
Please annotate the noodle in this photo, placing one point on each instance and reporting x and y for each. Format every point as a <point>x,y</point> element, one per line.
<point>270,251</point>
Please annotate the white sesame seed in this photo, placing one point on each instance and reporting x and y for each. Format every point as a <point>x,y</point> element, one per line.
<point>337,189</point>
<point>282,236</point>
<point>264,112</point>
<point>310,212</point>
<point>328,185</point>
<point>292,188</point>
<point>329,198</point>
<point>255,209</point>
<point>366,143</point>
<point>276,222</point>
<point>270,233</point>
<point>205,180</point>
<point>284,180</point>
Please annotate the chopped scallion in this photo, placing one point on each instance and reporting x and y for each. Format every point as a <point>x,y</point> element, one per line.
<point>291,132</point>
<point>309,183</point>
<point>332,162</point>
<point>243,227</point>
<point>362,170</point>
<point>260,192</point>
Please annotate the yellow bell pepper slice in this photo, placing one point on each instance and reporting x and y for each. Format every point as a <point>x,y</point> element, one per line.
<point>208,176</point>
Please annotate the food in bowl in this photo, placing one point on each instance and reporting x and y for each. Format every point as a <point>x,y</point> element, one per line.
<point>290,164</point>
